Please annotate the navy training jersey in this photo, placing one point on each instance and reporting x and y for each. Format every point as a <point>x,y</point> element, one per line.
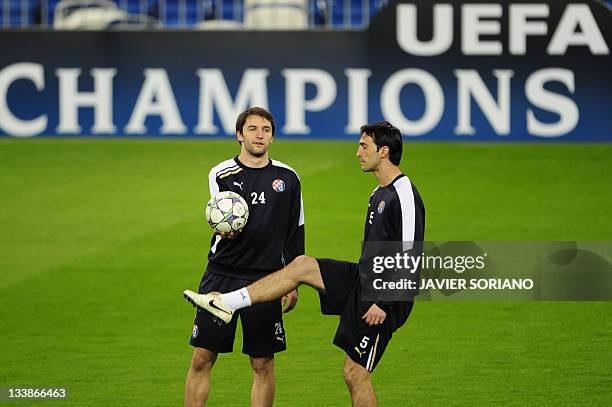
<point>274,233</point>
<point>395,214</point>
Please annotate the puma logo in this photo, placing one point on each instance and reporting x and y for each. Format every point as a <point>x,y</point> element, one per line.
<point>282,339</point>
<point>360,352</point>
<point>243,296</point>
<point>239,184</point>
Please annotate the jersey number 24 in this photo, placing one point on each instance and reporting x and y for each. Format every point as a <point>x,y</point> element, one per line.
<point>255,200</point>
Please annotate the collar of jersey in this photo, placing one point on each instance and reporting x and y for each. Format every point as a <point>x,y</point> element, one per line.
<point>393,182</point>
<point>242,165</point>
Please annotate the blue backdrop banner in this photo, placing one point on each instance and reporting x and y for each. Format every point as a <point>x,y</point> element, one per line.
<point>453,71</point>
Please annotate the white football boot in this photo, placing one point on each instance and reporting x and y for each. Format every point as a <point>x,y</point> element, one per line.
<point>210,302</point>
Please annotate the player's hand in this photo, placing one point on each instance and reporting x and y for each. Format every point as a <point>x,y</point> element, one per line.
<point>228,235</point>
<point>290,301</point>
<point>374,315</point>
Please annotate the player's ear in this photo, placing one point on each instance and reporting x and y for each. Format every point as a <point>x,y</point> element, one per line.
<point>383,152</point>
<point>239,136</point>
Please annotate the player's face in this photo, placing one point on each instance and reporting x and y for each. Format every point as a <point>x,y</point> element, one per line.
<point>369,157</point>
<point>256,135</point>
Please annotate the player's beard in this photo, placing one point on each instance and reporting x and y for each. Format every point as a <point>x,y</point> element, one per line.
<point>371,166</point>
<point>365,167</point>
<point>252,151</point>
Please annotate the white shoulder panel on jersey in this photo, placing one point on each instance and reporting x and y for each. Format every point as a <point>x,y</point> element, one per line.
<point>283,165</point>
<point>403,187</point>
<point>212,175</point>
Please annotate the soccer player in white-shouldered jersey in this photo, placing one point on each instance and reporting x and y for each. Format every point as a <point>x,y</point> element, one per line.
<point>273,237</point>
<point>395,214</point>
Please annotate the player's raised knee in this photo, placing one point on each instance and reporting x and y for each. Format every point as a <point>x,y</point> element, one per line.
<point>304,265</point>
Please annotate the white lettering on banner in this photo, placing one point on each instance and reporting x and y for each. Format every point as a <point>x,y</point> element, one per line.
<point>577,27</point>
<point>477,21</point>
<point>470,85</point>
<point>406,20</point>
<point>588,33</point>
<point>10,123</point>
<point>391,107</point>
<point>100,99</point>
<point>520,26</point>
<point>253,91</point>
<point>357,98</point>
<point>296,104</point>
<point>552,102</point>
<point>156,98</point>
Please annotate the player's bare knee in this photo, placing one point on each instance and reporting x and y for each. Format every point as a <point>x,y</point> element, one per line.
<point>349,377</point>
<point>304,267</point>
<point>355,375</point>
<point>263,366</point>
<point>203,361</point>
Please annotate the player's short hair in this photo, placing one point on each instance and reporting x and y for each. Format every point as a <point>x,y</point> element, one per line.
<point>385,134</point>
<point>257,111</point>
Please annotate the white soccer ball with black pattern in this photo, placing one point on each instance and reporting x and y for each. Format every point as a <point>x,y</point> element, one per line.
<point>227,212</point>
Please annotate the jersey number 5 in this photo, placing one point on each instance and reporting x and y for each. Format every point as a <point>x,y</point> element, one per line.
<point>364,342</point>
<point>258,200</point>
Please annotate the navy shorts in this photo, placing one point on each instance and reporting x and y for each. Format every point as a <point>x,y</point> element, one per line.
<point>362,343</point>
<point>262,324</point>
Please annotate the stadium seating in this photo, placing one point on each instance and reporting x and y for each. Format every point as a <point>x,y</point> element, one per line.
<point>276,14</point>
<point>86,14</point>
<point>17,13</point>
<point>191,13</point>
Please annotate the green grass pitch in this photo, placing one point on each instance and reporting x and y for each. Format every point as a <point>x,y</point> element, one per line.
<point>99,238</point>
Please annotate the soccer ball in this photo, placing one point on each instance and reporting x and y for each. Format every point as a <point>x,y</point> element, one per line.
<point>227,212</point>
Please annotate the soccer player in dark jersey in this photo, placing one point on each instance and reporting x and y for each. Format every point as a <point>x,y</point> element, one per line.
<point>273,237</point>
<point>395,214</point>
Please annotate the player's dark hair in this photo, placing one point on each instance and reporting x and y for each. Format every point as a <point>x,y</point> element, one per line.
<point>257,111</point>
<point>385,134</point>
